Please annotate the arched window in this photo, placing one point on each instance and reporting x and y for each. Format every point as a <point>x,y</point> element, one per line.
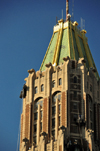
<point>56,103</point>
<point>89,111</point>
<point>37,112</point>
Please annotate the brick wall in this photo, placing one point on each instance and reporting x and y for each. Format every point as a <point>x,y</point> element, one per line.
<point>60,148</point>
<point>45,115</point>
<point>63,109</point>
<point>27,120</point>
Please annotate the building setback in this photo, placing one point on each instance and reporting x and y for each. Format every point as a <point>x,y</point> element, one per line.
<point>61,107</point>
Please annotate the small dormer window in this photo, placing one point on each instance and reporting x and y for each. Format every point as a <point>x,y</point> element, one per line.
<point>36,90</point>
<point>42,87</point>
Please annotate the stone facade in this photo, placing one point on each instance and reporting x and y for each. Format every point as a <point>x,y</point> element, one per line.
<point>61,109</point>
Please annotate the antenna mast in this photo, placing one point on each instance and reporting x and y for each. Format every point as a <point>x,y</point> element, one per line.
<point>73,10</point>
<point>67,9</point>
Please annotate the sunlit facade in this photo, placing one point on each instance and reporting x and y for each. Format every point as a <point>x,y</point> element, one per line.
<point>61,102</point>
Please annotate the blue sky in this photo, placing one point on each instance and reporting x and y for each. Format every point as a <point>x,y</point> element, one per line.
<point>26,27</point>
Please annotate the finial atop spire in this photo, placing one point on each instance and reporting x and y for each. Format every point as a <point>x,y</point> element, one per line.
<point>67,9</point>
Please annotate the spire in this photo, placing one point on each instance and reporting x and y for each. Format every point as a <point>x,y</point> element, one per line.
<point>67,9</point>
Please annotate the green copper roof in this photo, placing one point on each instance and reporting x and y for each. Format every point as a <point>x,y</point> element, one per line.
<point>50,52</point>
<point>68,40</point>
<point>64,50</point>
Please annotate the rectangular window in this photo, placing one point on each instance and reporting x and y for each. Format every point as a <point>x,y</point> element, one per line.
<point>59,120</point>
<point>41,127</point>
<point>41,114</point>
<point>90,87</point>
<point>59,108</point>
<point>53,83</point>
<point>53,123</point>
<point>42,88</point>
<point>75,129</point>
<point>73,64</point>
<point>35,116</point>
<point>53,110</point>
<point>34,139</point>
<point>75,94</point>
<point>91,115</point>
<point>75,106</point>
<point>35,128</point>
<point>75,117</point>
<point>53,133</point>
<point>54,99</point>
<point>36,90</point>
<point>60,81</point>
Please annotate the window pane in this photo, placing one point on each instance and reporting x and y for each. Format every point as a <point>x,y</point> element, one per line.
<point>41,104</point>
<point>59,120</point>
<point>75,94</point>
<point>75,117</point>
<point>53,134</point>
<point>59,97</point>
<point>75,106</point>
<point>59,108</point>
<point>42,87</point>
<point>53,122</point>
<point>34,139</point>
<point>35,106</point>
<point>41,114</point>
<point>41,127</point>
<point>60,81</point>
<point>35,116</point>
<point>91,115</point>
<point>36,90</point>
<point>53,110</point>
<point>54,99</point>
<point>53,83</point>
<point>75,79</point>
<point>35,128</point>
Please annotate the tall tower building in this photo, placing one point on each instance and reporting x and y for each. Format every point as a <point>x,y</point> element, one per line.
<point>61,102</point>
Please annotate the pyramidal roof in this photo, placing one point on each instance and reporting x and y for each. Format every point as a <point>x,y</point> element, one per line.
<point>68,40</point>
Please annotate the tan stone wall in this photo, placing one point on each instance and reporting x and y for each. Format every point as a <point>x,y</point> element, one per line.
<point>21,131</point>
<point>46,77</point>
